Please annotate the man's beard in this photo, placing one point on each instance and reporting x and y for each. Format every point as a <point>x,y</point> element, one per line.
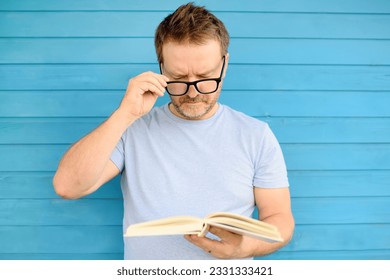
<point>205,106</point>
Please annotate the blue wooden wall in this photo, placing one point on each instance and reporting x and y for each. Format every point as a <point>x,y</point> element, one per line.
<point>317,71</point>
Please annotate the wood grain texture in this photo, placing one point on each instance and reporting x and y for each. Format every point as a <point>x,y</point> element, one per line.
<point>85,240</point>
<point>318,72</point>
<point>38,185</point>
<point>260,77</point>
<point>289,130</point>
<point>298,157</point>
<point>266,104</point>
<point>143,24</point>
<point>328,6</point>
<point>242,50</point>
<point>108,212</point>
<point>310,184</point>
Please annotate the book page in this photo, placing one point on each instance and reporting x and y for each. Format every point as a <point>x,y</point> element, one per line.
<point>244,225</point>
<point>242,218</point>
<point>166,226</point>
<point>268,238</point>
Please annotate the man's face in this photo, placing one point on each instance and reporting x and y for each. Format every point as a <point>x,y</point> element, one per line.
<point>188,62</point>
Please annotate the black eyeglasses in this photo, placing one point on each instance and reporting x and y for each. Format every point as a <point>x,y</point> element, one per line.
<point>204,86</point>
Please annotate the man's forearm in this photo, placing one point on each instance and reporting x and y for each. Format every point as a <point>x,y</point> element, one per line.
<point>285,224</point>
<point>83,164</point>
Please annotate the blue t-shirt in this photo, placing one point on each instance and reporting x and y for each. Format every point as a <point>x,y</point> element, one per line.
<point>171,166</point>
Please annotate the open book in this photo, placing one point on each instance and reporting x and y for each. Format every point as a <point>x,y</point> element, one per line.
<point>192,225</point>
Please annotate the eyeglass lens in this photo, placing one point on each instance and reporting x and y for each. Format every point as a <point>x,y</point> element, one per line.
<point>179,88</point>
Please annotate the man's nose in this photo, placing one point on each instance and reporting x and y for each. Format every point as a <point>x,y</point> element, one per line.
<point>192,92</point>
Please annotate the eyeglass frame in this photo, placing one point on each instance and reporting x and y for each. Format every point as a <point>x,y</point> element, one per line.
<point>194,83</point>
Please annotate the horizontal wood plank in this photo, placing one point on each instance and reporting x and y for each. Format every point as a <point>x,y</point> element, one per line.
<point>329,6</point>
<point>60,103</point>
<point>306,25</point>
<point>59,256</point>
<point>280,255</point>
<point>263,104</point>
<point>340,237</point>
<point>242,50</point>
<point>311,184</point>
<point>82,212</point>
<point>330,255</point>
<point>239,77</point>
<point>31,158</point>
<point>330,130</point>
<point>344,210</point>
<point>337,156</point>
<point>144,23</point>
<point>21,185</point>
<point>287,130</point>
<point>339,183</point>
<point>61,240</point>
<point>298,157</point>
<point>109,212</point>
<point>108,239</point>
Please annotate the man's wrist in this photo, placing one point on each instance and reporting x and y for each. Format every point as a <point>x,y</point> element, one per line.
<point>123,118</point>
<point>251,247</point>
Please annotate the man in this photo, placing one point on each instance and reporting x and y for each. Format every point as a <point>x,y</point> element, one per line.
<point>193,156</point>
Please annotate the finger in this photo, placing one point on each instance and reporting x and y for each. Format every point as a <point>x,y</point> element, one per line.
<point>159,82</point>
<point>163,77</point>
<point>160,79</point>
<point>157,79</point>
<point>166,79</point>
<point>150,87</point>
<point>208,245</point>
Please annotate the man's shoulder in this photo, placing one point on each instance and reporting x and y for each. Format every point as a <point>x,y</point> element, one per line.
<point>243,120</point>
<point>145,123</point>
<point>154,114</point>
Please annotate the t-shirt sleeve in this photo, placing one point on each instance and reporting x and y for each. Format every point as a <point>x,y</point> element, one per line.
<point>270,167</point>
<point>118,155</point>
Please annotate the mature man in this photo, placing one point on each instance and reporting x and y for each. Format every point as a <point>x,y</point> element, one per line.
<point>193,156</point>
